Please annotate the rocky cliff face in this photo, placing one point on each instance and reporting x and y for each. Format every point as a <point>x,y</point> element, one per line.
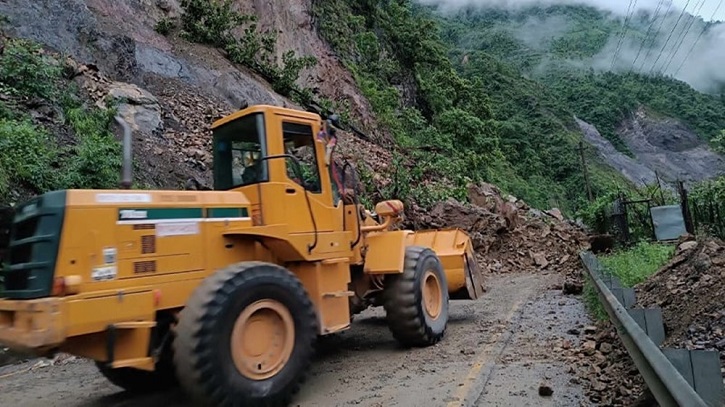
<point>175,89</point>
<point>636,172</point>
<point>119,38</point>
<point>661,146</point>
<point>669,147</point>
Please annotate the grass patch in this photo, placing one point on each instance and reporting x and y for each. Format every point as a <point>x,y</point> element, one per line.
<point>632,266</point>
<point>636,264</point>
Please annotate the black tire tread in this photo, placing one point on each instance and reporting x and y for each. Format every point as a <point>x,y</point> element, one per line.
<point>190,353</point>
<point>402,304</point>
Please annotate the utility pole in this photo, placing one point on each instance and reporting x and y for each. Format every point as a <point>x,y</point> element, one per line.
<point>659,187</point>
<point>586,172</point>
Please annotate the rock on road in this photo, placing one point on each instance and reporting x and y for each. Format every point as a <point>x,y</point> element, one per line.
<point>497,352</point>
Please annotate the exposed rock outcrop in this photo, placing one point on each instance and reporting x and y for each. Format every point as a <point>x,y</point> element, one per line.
<point>119,38</point>
<point>661,146</point>
<point>636,172</point>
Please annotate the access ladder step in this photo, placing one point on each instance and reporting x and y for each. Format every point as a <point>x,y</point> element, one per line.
<point>138,363</point>
<point>338,294</point>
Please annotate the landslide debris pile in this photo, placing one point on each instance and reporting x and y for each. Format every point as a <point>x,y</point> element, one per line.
<point>171,123</point>
<point>603,364</point>
<point>690,290</point>
<point>508,235</point>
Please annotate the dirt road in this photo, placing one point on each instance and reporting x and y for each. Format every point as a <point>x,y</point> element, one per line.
<point>497,351</point>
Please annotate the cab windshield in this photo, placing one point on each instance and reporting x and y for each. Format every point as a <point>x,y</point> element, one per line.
<point>238,148</point>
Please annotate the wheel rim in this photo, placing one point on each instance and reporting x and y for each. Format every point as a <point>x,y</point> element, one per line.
<point>262,339</point>
<point>432,295</point>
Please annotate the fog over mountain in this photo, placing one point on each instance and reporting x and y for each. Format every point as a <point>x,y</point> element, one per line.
<point>660,37</point>
<point>616,6</point>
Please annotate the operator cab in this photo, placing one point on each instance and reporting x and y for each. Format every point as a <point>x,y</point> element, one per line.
<point>269,152</point>
<point>238,147</point>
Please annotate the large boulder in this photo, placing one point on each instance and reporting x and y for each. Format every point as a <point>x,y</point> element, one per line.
<point>138,107</point>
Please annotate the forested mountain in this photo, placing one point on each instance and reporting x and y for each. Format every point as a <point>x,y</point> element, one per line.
<point>575,49</point>
<point>465,118</point>
<point>497,90</point>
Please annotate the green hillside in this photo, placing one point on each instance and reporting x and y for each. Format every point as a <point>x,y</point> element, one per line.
<point>559,45</point>
<point>530,37</point>
<point>484,119</point>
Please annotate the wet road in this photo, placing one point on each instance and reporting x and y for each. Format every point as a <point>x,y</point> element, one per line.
<point>496,352</point>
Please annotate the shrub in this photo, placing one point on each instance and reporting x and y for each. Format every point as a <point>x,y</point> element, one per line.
<point>27,156</point>
<point>27,71</point>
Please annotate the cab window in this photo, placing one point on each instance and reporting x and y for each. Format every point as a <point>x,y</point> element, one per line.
<point>299,142</point>
<point>239,147</point>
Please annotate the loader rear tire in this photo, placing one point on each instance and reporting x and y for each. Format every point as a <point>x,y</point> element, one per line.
<point>416,301</point>
<point>246,337</point>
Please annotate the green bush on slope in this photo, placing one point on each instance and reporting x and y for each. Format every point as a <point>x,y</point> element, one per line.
<point>32,159</point>
<point>213,22</point>
<point>632,266</point>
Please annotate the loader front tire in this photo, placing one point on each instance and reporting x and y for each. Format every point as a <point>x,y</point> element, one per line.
<point>416,301</point>
<point>246,337</point>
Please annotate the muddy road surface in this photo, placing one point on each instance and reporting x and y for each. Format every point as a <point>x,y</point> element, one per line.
<point>497,352</point>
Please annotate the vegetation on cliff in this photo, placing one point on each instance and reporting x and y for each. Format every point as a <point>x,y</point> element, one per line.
<point>466,97</point>
<point>464,116</point>
<point>557,46</point>
<point>50,138</point>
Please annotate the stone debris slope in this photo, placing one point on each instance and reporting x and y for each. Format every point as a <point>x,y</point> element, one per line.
<point>603,364</point>
<point>690,289</point>
<point>171,122</point>
<point>509,236</point>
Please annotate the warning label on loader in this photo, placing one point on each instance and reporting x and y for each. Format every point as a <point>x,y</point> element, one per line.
<point>177,229</point>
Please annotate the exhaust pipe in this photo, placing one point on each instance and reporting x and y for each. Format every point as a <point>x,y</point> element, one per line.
<point>126,171</point>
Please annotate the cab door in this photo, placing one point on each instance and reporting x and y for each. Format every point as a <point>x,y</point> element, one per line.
<point>307,189</point>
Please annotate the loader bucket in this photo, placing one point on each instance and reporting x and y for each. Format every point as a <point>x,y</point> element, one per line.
<point>455,250</point>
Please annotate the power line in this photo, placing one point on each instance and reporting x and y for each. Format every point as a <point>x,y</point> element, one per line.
<point>632,6</point>
<point>669,37</point>
<point>649,29</point>
<point>657,34</point>
<point>684,35</point>
<point>692,48</point>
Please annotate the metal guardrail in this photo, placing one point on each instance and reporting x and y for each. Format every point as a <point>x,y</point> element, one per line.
<point>664,380</point>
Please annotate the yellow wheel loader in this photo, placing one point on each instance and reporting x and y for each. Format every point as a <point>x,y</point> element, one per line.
<point>224,291</point>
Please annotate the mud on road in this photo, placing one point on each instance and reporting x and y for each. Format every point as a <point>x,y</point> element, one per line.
<point>497,352</point>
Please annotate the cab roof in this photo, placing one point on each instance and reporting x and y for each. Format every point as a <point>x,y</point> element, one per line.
<point>266,109</point>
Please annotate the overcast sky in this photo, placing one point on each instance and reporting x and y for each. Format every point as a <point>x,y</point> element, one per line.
<point>707,9</point>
